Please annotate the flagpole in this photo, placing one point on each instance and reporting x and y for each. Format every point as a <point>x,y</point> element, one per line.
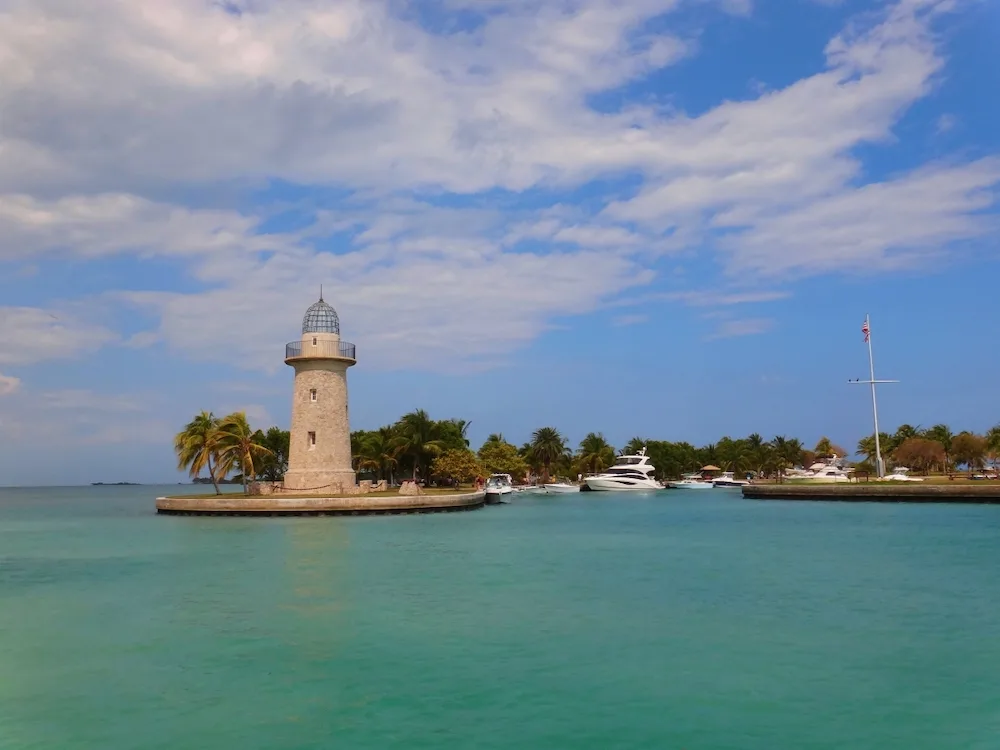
<point>879,466</point>
<point>867,330</point>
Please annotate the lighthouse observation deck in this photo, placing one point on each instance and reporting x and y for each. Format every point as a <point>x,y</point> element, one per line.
<point>321,349</point>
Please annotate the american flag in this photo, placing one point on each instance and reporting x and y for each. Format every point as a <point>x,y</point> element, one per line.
<point>865,330</point>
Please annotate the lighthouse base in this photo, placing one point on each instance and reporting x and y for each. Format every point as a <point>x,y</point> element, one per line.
<point>341,482</point>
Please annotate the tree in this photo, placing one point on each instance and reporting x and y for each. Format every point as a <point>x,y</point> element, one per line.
<point>787,452</point>
<point>499,457</point>
<point>420,440</point>
<point>866,446</point>
<point>942,434</point>
<point>272,467</point>
<point>731,455</point>
<point>969,449</point>
<point>919,453</point>
<point>633,446</point>
<point>237,447</point>
<point>993,445</point>
<point>826,448</point>
<point>547,447</point>
<point>377,451</point>
<point>457,464</point>
<point>451,432</point>
<point>196,446</point>
<point>596,453</point>
<point>904,432</point>
<point>759,453</point>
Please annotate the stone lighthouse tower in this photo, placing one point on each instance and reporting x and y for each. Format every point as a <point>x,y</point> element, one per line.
<point>319,457</point>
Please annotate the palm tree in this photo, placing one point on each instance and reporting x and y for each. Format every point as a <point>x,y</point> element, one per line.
<point>419,438</point>
<point>787,452</point>
<point>495,437</point>
<point>196,445</point>
<point>237,446</point>
<point>596,453</point>
<point>547,446</point>
<point>730,454</point>
<point>993,445</point>
<point>378,451</point>
<point>633,446</point>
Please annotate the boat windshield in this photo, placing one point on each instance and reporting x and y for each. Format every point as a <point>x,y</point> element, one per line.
<point>628,461</point>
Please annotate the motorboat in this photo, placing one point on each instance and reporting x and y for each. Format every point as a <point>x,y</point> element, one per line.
<point>726,479</point>
<point>901,474</point>
<point>559,488</point>
<point>690,482</point>
<point>499,489</point>
<point>629,473</point>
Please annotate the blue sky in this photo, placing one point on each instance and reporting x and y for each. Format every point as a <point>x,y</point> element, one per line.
<point>663,218</point>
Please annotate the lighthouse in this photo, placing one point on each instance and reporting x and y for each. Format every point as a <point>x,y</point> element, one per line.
<point>319,456</point>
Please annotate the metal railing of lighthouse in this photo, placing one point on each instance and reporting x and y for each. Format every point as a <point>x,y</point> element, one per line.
<point>340,349</point>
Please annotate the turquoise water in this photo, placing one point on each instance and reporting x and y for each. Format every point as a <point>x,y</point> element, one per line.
<point>595,621</point>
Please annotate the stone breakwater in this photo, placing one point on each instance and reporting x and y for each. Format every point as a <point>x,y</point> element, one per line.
<point>876,492</point>
<point>277,505</point>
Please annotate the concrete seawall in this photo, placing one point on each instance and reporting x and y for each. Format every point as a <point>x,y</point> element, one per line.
<point>874,492</point>
<point>271,505</point>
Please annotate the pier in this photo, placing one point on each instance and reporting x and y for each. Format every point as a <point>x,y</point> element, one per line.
<point>354,505</point>
<point>877,492</point>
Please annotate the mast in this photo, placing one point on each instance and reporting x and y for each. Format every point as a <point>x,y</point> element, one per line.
<point>866,329</point>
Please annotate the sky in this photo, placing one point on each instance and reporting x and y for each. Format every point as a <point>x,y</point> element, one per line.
<point>654,218</point>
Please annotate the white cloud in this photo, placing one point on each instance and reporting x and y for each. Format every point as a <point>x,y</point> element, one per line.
<point>713,298</point>
<point>31,334</point>
<point>135,105</point>
<point>70,417</point>
<point>629,320</point>
<point>883,225</point>
<point>945,123</point>
<point>8,384</point>
<point>105,224</point>
<point>744,327</point>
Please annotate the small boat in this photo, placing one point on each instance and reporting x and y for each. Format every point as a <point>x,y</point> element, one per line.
<point>629,473</point>
<point>726,479</point>
<point>499,489</point>
<point>901,474</point>
<point>690,482</point>
<point>559,488</point>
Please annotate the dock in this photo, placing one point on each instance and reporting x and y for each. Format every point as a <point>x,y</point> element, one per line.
<point>233,504</point>
<point>877,492</point>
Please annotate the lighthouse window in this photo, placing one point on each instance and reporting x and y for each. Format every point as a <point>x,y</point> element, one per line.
<point>314,341</point>
<point>312,440</point>
<point>312,394</point>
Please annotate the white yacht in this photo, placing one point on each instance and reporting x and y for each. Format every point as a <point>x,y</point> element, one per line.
<point>628,473</point>
<point>499,489</point>
<point>829,470</point>
<point>690,482</point>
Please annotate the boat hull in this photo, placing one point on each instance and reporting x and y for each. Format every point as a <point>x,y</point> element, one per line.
<point>497,497</point>
<point>611,484</point>
<point>690,485</point>
<point>560,489</point>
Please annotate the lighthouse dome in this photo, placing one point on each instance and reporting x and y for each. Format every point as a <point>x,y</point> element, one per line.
<point>320,318</point>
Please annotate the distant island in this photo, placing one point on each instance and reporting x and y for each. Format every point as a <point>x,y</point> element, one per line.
<point>114,484</point>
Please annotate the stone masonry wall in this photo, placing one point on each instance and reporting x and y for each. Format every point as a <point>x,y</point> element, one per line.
<point>328,463</point>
